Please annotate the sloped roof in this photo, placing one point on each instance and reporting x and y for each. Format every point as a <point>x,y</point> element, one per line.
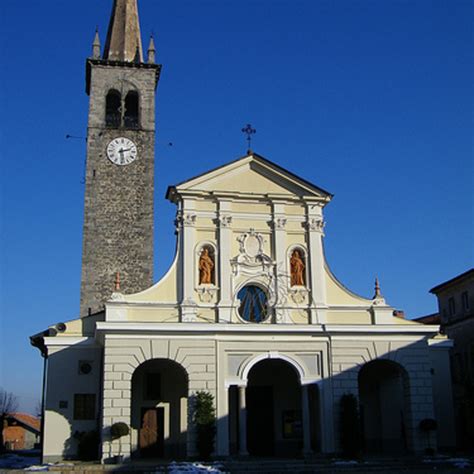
<point>457,279</point>
<point>27,420</point>
<point>268,178</point>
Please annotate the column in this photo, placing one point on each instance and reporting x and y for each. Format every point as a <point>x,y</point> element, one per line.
<point>222,438</point>
<point>315,226</point>
<point>305,420</point>
<point>326,420</point>
<point>242,422</point>
<point>225,239</point>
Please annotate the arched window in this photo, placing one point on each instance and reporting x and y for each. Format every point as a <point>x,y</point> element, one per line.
<point>207,266</point>
<point>131,110</point>
<point>113,105</point>
<point>297,267</point>
<point>253,304</point>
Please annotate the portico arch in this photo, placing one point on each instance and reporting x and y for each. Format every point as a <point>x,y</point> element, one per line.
<point>245,369</point>
<point>274,407</point>
<point>385,406</point>
<point>159,409</point>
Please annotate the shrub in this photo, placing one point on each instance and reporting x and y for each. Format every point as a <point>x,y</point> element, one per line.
<point>350,426</point>
<point>428,424</point>
<point>117,430</point>
<point>205,421</point>
<point>88,445</point>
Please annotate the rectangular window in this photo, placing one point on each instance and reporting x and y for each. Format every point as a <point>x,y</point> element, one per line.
<point>452,306</point>
<point>152,386</point>
<point>465,300</point>
<point>84,406</point>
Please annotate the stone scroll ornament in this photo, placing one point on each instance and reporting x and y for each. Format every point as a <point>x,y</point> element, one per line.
<point>206,267</point>
<point>297,267</point>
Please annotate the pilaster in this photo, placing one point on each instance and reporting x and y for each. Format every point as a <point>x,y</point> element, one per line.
<point>314,229</point>
<point>279,255</point>
<point>187,222</point>
<point>224,221</point>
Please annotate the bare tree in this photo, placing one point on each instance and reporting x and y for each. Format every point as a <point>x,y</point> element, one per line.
<point>8,405</point>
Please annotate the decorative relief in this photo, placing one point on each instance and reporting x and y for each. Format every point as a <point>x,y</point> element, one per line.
<point>206,293</point>
<point>280,223</point>
<point>251,258</point>
<point>225,221</point>
<point>298,294</point>
<point>185,220</point>
<point>315,224</point>
<point>189,220</point>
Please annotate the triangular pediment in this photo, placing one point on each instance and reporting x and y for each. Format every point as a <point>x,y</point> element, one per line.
<point>251,175</point>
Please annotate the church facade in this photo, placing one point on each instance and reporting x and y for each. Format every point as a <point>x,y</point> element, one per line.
<point>249,310</point>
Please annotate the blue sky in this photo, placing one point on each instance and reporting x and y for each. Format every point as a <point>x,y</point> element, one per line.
<point>371,100</point>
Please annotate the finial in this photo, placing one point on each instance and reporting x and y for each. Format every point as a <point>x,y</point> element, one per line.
<point>117,282</point>
<point>96,44</point>
<point>249,131</point>
<point>151,51</point>
<point>378,294</point>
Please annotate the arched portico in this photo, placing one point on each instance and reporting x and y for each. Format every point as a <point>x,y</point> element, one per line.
<point>385,406</point>
<point>275,409</point>
<point>159,410</point>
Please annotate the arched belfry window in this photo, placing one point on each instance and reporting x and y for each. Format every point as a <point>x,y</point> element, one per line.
<point>207,266</point>
<point>131,119</point>
<point>113,106</point>
<point>253,304</point>
<point>297,267</point>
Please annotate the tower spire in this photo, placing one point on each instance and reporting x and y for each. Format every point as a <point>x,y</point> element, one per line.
<point>96,45</point>
<point>151,51</point>
<point>124,42</point>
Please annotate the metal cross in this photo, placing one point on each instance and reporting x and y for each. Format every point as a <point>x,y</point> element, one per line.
<point>249,131</point>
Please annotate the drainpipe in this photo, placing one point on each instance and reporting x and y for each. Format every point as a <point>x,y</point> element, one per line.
<point>43,398</point>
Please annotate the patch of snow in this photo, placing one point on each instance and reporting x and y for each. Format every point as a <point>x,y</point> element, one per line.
<point>194,468</point>
<point>61,464</point>
<point>345,463</point>
<point>37,468</point>
<point>14,461</point>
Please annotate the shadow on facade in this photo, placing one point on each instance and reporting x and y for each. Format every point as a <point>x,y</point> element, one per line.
<point>277,413</point>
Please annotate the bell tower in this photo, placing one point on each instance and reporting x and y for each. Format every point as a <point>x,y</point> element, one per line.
<point>118,208</point>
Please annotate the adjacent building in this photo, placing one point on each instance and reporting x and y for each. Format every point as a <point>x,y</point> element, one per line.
<point>21,431</point>
<point>456,313</point>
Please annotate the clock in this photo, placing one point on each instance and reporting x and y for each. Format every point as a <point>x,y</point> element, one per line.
<point>122,151</point>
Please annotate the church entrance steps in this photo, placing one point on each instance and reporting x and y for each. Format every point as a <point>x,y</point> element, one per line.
<point>380,465</point>
<point>278,466</point>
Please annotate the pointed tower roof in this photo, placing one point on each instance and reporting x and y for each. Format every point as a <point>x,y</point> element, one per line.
<point>124,42</point>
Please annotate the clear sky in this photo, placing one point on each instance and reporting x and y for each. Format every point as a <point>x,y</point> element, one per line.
<point>370,100</point>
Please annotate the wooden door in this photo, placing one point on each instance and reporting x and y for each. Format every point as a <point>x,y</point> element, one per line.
<point>152,432</point>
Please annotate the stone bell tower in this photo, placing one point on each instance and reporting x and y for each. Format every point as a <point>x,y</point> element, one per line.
<point>118,210</point>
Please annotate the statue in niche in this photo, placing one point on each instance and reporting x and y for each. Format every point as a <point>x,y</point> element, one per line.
<point>206,267</point>
<point>297,267</point>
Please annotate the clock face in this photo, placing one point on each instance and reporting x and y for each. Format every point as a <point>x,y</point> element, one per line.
<point>122,151</point>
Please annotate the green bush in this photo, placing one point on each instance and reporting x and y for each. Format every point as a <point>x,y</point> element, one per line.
<point>350,426</point>
<point>428,424</point>
<point>88,445</point>
<point>205,420</point>
<point>117,430</point>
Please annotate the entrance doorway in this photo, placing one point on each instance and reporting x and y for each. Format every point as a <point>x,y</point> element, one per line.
<point>273,400</point>
<point>159,410</point>
<point>261,423</point>
<point>151,435</point>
